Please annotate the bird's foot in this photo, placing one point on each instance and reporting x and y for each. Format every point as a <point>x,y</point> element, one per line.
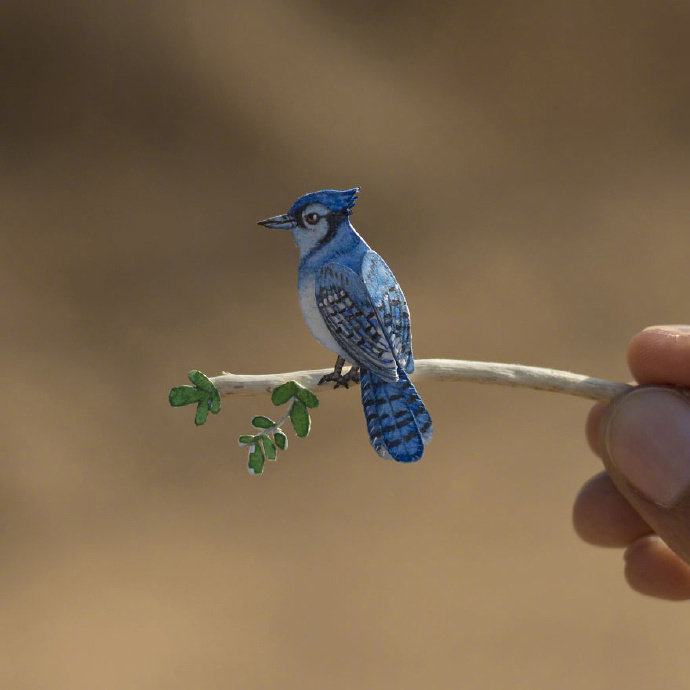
<point>340,379</point>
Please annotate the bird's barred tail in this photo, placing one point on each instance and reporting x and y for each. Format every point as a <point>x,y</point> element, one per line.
<point>399,425</point>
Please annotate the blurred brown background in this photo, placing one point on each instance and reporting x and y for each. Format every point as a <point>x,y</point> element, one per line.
<point>525,172</point>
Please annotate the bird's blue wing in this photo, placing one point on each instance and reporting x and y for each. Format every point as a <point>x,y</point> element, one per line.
<point>389,301</point>
<point>346,306</point>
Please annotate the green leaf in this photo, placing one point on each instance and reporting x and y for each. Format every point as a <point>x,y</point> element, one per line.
<point>256,460</point>
<point>202,392</point>
<point>299,416</point>
<point>185,395</point>
<point>201,413</point>
<point>281,440</point>
<point>261,422</point>
<point>200,380</point>
<point>283,393</point>
<point>307,397</point>
<point>269,448</point>
<point>246,440</point>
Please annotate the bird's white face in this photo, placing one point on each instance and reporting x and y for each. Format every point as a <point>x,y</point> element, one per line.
<point>312,226</point>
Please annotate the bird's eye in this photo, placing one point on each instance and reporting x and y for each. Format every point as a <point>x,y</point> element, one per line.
<point>312,218</point>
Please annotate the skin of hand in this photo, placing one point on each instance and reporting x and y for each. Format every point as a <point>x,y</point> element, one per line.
<point>642,501</point>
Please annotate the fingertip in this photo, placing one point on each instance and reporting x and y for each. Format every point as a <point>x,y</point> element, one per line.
<point>593,428</point>
<point>602,516</point>
<point>660,354</point>
<point>653,569</point>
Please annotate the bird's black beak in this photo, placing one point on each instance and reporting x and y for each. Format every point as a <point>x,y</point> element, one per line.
<point>283,222</point>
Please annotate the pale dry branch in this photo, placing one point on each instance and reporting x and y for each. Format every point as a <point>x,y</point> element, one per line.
<point>516,375</point>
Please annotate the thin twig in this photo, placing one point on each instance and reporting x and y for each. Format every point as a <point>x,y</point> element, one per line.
<point>516,375</point>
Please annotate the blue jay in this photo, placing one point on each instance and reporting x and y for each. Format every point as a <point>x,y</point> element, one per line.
<point>354,306</point>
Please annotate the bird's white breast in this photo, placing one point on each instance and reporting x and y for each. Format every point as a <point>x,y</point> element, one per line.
<point>312,315</point>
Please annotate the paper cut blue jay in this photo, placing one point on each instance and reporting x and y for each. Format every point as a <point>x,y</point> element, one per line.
<point>354,306</point>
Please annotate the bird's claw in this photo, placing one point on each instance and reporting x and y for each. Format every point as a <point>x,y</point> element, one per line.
<point>340,379</point>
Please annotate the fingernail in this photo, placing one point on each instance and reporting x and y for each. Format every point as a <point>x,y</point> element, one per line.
<point>673,329</point>
<point>647,439</point>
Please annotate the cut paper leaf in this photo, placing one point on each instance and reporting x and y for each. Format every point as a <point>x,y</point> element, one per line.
<point>307,397</point>
<point>256,460</point>
<point>201,413</point>
<point>203,392</point>
<point>284,393</point>
<point>184,395</point>
<point>269,448</point>
<point>261,422</point>
<point>281,440</point>
<point>200,380</point>
<point>299,416</point>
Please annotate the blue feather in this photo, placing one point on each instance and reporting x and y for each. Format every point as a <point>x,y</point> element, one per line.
<point>346,307</point>
<point>334,199</point>
<point>399,425</point>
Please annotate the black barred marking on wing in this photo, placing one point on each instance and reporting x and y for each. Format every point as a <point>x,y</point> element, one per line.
<point>367,315</point>
<point>355,329</point>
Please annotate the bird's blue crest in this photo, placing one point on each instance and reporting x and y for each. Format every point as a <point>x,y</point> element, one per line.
<point>334,199</point>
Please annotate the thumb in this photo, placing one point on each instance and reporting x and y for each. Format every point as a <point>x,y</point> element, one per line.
<point>646,442</point>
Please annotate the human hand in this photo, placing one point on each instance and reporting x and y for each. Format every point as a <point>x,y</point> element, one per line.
<point>642,501</point>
